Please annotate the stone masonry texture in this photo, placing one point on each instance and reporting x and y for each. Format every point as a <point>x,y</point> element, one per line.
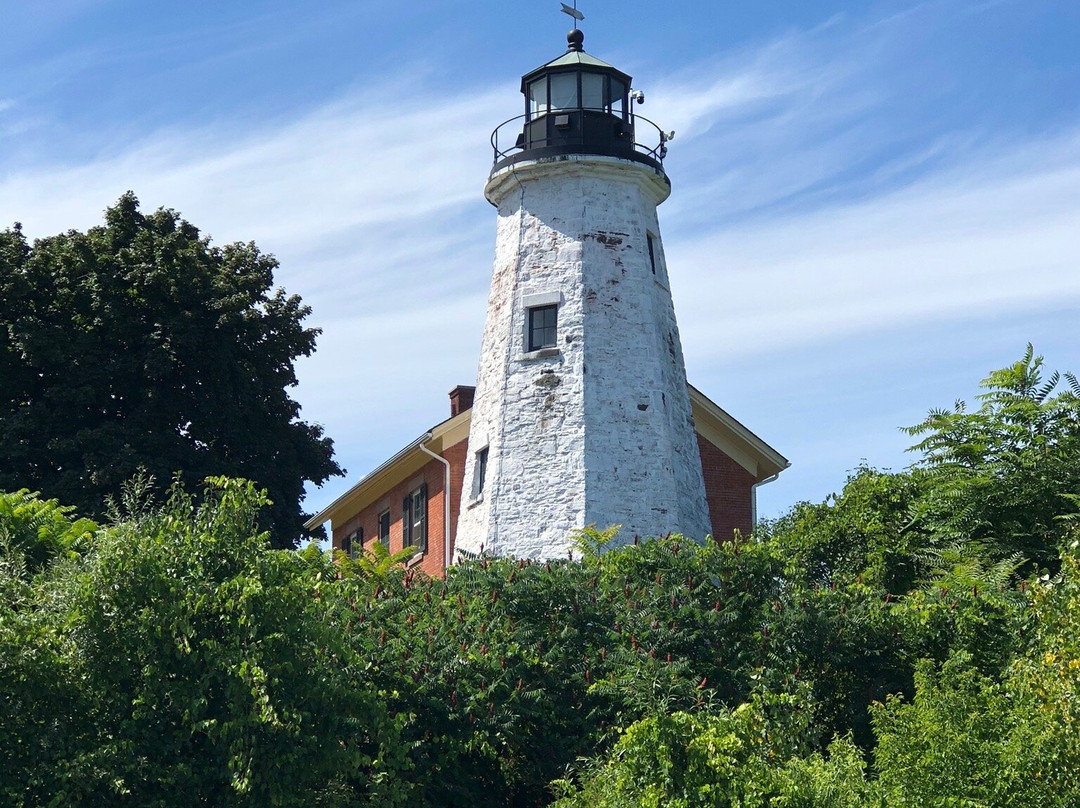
<point>597,430</point>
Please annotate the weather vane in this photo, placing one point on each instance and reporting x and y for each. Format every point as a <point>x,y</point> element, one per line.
<point>572,11</point>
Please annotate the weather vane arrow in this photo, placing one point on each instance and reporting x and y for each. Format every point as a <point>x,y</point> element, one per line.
<point>572,11</point>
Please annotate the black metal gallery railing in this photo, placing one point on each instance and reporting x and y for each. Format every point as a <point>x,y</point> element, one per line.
<point>579,131</point>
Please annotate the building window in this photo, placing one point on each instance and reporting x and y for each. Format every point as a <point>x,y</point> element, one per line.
<point>652,252</point>
<point>353,544</point>
<point>543,325</point>
<point>414,519</point>
<point>384,528</point>
<point>480,472</point>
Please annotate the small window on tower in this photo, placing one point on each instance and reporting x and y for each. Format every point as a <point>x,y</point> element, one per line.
<point>480,472</point>
<point>543,327</point>
<point>652,251</point>
<point>618,94</point>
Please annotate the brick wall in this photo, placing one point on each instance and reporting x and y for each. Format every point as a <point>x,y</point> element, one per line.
<point>728,491</point>
<point>432,562</point>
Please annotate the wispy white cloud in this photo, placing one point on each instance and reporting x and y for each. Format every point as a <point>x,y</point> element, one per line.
<point>999,234</point>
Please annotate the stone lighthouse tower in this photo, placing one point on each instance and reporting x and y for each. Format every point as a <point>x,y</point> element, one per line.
<point>582,413</point>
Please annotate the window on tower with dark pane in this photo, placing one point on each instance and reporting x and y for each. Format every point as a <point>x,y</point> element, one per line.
<point>538,101</point>
<point>480,472</point>
<point>564,91</point>
<point>543,327</point>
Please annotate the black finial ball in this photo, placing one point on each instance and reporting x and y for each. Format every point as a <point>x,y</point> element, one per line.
<point>575,39</point>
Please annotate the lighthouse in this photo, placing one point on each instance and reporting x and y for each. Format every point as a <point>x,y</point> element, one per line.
<point>582,414</point>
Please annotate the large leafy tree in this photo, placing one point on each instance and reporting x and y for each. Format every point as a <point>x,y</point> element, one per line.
<point>138,345</point>
<point>174,658</point>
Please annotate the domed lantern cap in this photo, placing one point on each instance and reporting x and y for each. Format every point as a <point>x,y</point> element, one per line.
<point>576,80</point>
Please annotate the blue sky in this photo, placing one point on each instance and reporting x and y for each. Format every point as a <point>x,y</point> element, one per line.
<point>873,205</point>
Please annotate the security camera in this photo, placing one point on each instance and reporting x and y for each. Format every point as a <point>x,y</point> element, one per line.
<point>638,95</point>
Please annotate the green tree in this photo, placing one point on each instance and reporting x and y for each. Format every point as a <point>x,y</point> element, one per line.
<point>1003,474</point>
<point>178,659</point>
<point>34,532</point>
<point>968,739</point>
<point>747,757</point>
<point>138,345</point>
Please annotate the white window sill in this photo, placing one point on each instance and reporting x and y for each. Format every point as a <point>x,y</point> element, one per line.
<point>543,353</point>
<point>416,559</point>
<point>474,502</point>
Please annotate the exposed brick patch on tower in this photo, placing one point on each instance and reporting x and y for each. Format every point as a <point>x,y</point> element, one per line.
<point>729,491</point>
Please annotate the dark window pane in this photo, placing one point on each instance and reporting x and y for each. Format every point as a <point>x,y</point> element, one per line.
<point>480,473</point>
<point>538,97</point>
<point>384,528</point>
<point>618,94</point>
<point>418,526</point>
<point>543,327</point>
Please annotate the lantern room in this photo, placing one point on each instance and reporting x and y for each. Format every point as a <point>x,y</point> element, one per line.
<point>575,104</point>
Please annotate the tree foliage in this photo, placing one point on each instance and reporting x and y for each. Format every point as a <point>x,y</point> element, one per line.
<point>138,345</point>
<point>179,659</point>
<point>1003,474</point>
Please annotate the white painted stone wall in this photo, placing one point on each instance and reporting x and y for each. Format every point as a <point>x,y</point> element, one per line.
<point>599,430</point>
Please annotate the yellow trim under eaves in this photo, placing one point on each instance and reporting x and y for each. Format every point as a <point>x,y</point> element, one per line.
<point>733,439</point>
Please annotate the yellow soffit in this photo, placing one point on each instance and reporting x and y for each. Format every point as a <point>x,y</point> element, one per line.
<point>733,439</point>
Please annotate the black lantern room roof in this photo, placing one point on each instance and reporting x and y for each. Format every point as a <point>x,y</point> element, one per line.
<point>577,104</point>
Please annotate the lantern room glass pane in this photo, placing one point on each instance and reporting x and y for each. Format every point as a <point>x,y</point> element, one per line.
<point>592,90</point>
<point>537,98</point>
<point>564,91</point>
<point>618,96</point>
